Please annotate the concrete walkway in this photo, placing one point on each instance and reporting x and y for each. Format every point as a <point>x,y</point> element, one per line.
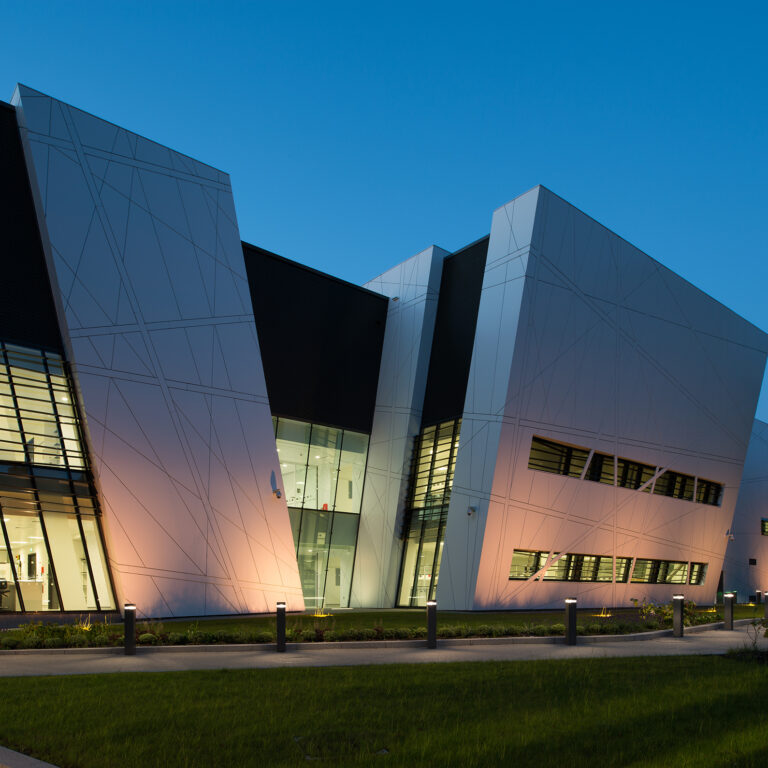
<point>175,659</point>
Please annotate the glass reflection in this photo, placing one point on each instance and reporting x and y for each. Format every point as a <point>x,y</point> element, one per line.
<point>431,482</point>
<point>98,562</point>
<point>292,438</point>
<point>323,469</point>
<point>35,579</point>
<point>53,560</point>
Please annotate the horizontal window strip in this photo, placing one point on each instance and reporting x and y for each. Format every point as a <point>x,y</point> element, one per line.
<point>571,461</point>
<point>527,563</point>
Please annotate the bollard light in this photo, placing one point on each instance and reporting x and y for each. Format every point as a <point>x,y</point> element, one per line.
<point>765,603</point>
<point>759,597</point>
<point>280,627</point>
<point>431,624</point>
<point>129,628</point>
<point>728,599</point>
<point>570,620</point>
<point>677,615</point>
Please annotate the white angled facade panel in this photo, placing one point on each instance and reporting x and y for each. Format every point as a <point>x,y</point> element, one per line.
<point>413,288</point>
<point>613,352</point>
<point>746,560</point>
<point>485,402</point>
<point>148,269</point>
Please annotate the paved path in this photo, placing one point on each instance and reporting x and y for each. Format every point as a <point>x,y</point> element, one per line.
<point>77,662</point>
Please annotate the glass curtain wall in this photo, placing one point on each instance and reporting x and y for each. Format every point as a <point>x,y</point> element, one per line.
<point>323,470</point>
<point>51,552</point>
<point>427,511</point>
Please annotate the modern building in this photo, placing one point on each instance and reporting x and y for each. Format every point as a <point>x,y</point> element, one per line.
<point>203,427</point>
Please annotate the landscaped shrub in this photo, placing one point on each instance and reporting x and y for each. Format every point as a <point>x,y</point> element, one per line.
<point>9,642</point>
<point>54,642</point>
<point>557,629</point>
<point>30,641</point>
<point>147,638</point>
<point>177,638</point>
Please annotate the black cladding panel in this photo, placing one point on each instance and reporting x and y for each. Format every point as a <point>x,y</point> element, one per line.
<point>454,338</point>
<point>27,312</point>
<point>320,340</point>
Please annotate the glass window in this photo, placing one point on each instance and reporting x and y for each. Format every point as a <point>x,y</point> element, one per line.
<point>764,527</point>
<point>322,467</point>
<point>644,572</point>
<point>623,565</point>
<point>341,558</point>
<point>98,562</point>
<point>410,556</point>
<point>601,469</point>
<point>312,557</point>
<point>354,452</point>
<point>426,511</point>
<point>39,432</point>
<point>9,600</point>
<point>559,570</point>
<point>426,562</point>
<point>671,572</point>
<point>524,564</point>
<point>294,513</point>
<point>708,492</point>
<point>676,485</point>
<point>69,557</point>
<point>631,474</point>
<point>557,458</point>
<point>584,568</point>
<point>293,449</point>
<point>698,573</point>
<point>36,582</point>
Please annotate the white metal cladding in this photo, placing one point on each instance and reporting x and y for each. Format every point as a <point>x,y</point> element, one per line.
<point>397,417</point>
<point>747,542</point>
<point>148,269</point>
<point>584,339</point>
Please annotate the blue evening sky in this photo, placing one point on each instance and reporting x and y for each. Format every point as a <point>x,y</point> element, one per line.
<point>356,134</point>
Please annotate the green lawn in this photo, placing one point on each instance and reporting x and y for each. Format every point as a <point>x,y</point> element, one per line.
<point>674,711</point>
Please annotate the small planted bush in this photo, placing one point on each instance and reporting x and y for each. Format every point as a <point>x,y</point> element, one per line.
<point>9,642</point>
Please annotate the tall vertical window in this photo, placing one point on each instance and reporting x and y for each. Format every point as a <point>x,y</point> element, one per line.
<point>424,525</point>
<point>51,553</point>
<point>323,469</point>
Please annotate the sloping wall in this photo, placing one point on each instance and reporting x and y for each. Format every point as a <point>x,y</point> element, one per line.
<point>148,272</point>
<point>584,339</point>
<point>415,284</point>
